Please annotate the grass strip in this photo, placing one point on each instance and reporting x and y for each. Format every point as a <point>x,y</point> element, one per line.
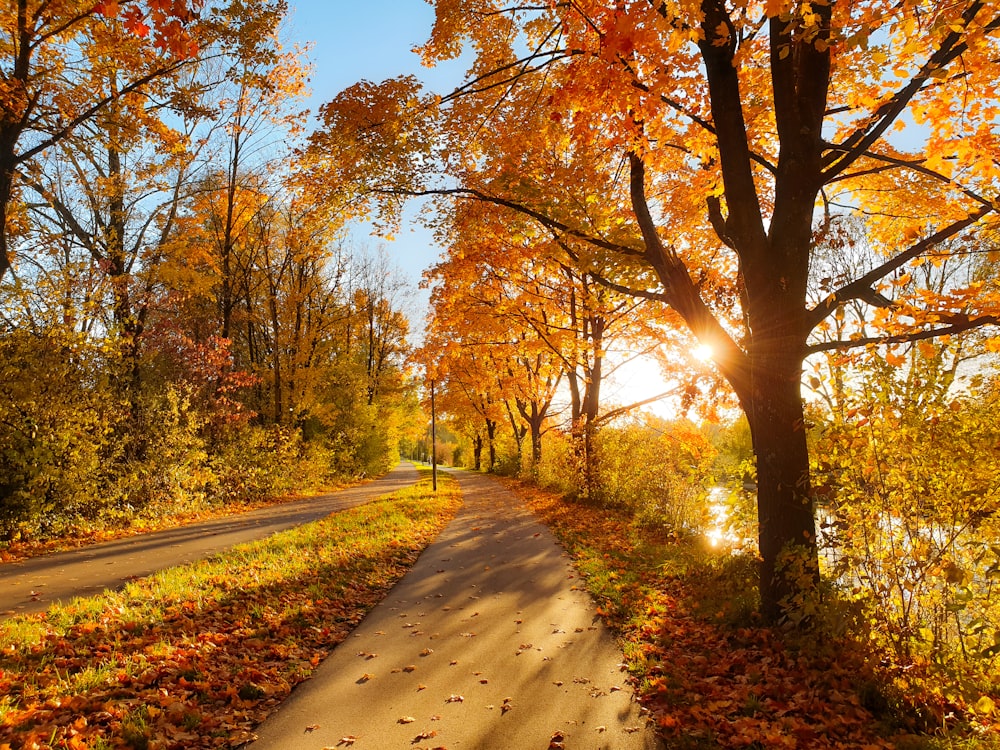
<point>709,672</point>
<point>196,656</point>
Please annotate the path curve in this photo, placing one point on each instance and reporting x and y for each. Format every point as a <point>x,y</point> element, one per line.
<point>488,643</point>
<point>32,585</point>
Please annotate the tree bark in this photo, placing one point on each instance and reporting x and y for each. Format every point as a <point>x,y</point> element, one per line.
<point>477,452</point>
<point>787,528</point>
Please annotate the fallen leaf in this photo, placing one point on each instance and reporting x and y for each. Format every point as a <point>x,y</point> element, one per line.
<point>312,727</point>
<point>427,652</point>
<point>425,735</point>
<point>365,677</point>
<point>454,699</point>
<point>405,720</point>
<point>410,668</point>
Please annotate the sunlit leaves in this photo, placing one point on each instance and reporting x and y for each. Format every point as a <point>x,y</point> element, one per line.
<point>264,616</point>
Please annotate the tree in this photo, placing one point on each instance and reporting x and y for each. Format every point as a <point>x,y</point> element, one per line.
<point>590,330</point>
<point>718,136</point>
<point>49,84</point>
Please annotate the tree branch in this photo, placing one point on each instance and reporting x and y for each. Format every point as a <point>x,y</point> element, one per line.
<point>958,323</point>
<point>608,416</point>
<point>884,116</point>
<point>862,287</point>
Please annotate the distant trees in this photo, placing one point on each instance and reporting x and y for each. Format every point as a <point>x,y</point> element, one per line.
<point>181,321</point>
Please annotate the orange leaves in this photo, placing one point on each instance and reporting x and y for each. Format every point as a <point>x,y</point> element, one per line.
<point>107,8</point>
<point>741,687</point>
<point>203,677</point>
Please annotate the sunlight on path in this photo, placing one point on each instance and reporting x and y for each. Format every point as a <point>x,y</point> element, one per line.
<point>488,643</point>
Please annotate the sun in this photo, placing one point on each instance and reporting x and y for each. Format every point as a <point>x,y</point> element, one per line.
<point>702,352</point>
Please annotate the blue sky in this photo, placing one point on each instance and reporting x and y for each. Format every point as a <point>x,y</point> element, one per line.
<point>353,40</point>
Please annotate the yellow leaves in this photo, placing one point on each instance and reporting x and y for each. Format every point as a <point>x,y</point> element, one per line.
<point>985,706</point>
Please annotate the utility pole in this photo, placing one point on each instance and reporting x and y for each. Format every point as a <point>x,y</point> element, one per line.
<point>434,468</point>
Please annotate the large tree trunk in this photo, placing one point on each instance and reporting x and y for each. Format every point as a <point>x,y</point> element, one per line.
<point>787,529</point>
<point>6,194</point>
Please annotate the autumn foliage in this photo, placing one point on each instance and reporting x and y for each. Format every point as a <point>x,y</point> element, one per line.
<point>198,656</point>
<point>698,155</point>
<point>713,676</point>
<point>182,323</point>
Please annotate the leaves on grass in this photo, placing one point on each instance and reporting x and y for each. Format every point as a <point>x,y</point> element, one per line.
<point>199,667</point>
<point>742,687</point>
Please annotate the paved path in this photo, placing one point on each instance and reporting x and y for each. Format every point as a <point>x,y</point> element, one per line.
<point>486,644</point>
<point>32,585</point>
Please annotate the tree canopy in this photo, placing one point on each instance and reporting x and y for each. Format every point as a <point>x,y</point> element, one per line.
<point>696,154</point>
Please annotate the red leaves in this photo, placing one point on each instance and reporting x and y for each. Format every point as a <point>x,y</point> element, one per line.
<point>107,8</point>
<point>133,22</point>
<point>169,19</point>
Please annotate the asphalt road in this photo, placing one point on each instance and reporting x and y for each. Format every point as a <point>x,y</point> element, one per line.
<point>32,585</point>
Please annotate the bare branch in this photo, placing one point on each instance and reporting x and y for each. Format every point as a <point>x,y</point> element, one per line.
<point>861,288</point>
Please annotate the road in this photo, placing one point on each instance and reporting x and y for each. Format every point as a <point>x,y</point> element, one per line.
<point>32,585</point>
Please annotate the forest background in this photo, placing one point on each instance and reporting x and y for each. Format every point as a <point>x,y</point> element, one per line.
<point>186,323</point>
